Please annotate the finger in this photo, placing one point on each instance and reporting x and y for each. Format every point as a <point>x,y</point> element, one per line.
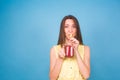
<point>73,40</point>
<point>62,52</point>
<point>61,55</point>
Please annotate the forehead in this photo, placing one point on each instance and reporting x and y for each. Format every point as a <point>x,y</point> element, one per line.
<point>69,21</point>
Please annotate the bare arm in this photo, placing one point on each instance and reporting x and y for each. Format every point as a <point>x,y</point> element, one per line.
<point>84,65</point>
<point>55,65</point>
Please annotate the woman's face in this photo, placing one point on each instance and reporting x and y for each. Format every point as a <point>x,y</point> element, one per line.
<point>70,29</point>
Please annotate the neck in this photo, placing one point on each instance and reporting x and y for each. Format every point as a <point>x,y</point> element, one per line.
<point>67,42</point>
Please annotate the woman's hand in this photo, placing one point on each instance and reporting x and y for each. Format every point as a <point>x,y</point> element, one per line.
<point>62,53</point>
<point>75,43</point>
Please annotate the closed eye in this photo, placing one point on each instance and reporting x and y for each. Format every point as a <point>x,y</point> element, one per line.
<point>74,26</point>
<point>65,26</point>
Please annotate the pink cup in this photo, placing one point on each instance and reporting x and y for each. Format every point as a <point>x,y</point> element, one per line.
<point>69,51</point>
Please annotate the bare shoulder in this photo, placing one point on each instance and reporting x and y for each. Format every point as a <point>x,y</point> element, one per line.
<point>87,47</point>
<point>53,50</point>
<point>87,50</point>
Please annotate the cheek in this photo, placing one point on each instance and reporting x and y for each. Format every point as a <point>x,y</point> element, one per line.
<point>75,32</point>
<point>65,30</point>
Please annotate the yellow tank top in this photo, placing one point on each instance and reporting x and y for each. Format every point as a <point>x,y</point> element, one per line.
<point>69,69</point>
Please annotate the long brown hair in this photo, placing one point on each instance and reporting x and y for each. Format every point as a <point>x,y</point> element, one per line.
<point>78,36</point>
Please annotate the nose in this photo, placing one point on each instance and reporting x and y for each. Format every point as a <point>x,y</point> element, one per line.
<point>70,30</point>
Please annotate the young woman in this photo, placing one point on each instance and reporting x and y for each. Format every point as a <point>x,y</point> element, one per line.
<point>70,68</point>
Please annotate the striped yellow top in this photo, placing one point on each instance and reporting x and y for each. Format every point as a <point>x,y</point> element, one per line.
<point>69,69</point>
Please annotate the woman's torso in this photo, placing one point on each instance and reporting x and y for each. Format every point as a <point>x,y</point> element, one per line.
<point>69,69</point>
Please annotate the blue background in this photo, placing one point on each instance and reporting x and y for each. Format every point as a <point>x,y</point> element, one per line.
<point>29,28</point>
